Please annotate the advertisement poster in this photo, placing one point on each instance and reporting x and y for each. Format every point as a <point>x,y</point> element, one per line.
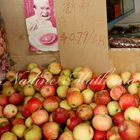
<point>41,25</point>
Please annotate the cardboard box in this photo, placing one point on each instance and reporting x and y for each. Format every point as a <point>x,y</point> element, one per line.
<point>82,32</point>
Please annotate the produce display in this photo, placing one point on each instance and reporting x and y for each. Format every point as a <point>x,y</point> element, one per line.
<point>55,103</point>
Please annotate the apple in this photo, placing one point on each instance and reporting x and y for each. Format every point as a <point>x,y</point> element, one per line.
<point>32,77</point>
<point>125,76</point>
<point>26,99</point>
<point>100,109</point>
<point>113,80</point>
<point>3,100</point>
<point>116,92</point>
<point>11,75</point>
<point>36,70</point>
<point>21,84</point>
<point>113,108</point>
<point>8,90</point>
<point>102,97</point>
<point>23,74</point>
<point>75,99</point>
<point>55,68</point>
<point>51,103</point>
<point>66,135</point>
<point>76,71</point>
<point>39,83</point>
<point>93,105</point>
<point>10,111</point>
<point>28,90</point>
<point>97,83</point>
<point>39,96</point>
<point>85,112</point>
<point>132,113</point>
<point>64,104</point>
<point>113,134</point>
<point>133,88</point>
<point>16,99</point>
<point>62,91</point>
<point>8,136</point>
<point>48,90</point>
<point>51,130</point>
<point>25,112</point>
<point>28,122</point>
<point>118,118</point>
<point>99,135</point>
<point>83,131</point>
<point>7,84</point>
<point>127,100</point>
<point>73,121</point>
<point>71,89</point>
<point>79,83</point>
<point>33,104</point>
<point>18,130</point>
<point>40,116</point>
<point>85,74</point>
<point>66,72</point>
<point>31,66</point>
<point>60,115</point>
<point>46,75</point>
<point>63,80</point>
<point>88,96</point>
<point>129,130</point>
<point>135,77</point>
<point>102,122</point>
<point>33,133</point>
<point>17,121</point>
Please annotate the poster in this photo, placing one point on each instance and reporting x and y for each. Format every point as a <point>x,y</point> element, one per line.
<point>41,25</point>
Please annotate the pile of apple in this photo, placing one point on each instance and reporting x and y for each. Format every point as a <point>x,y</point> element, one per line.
<point>55,103</point>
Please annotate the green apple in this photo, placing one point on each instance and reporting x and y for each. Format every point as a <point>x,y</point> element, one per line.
<point>62,91</point>
<point>64,104</point>
<point>28,90</point>
<point>64,80</point>
<point>88,96</point>
<point>31,66</point>
<point>8,136</point>
<point>8,90</point>
<point>33,133</point>
<point>125,76</point>
<point>28,122</point>
<point>83,131</point>
<point>18,130</point>
<point>66,72</point>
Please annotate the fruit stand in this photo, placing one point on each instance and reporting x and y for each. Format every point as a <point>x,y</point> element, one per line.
<point>84,91</point>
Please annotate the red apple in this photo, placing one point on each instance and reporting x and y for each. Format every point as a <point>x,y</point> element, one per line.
<point>116,92</point>
<point>33,104</point>
<point>85,112</point>
<point>135,77</point>
<point>51,103</point>
<point>73,121</point>
<point>127,100</point>
<point>129,130</point>
<point>79,83</point>
<point>3,100</point>
<point>100,109</point>
<point>10,111</point>
<point>48,90</point>
<point>16,99</point>
<point>102,122</point>
<point>40,116</point>
<point>102,97</point>
<point>75,98</point>
<point>118,118</point>
<point>17,121</point>
<point>51,130</point>
<point>113,134</point>
<point>97,83</point>
<point>25,112</point>
<point>23,74</point>
<point>99,135</point>
<point>60,115</point>
<point>39,83</point>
